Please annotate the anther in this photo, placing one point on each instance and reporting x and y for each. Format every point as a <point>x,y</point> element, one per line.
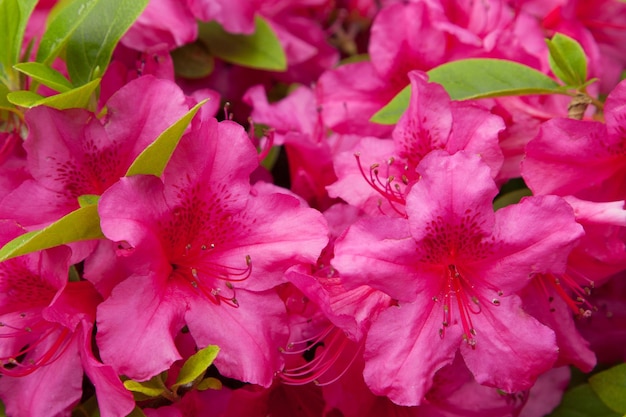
<point>495,302</point>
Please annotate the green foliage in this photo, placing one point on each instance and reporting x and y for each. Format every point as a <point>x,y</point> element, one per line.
<point>475,78</point>
<point>582,401</point>
<point>567,60</point>
<point>90,46</point>
<point>610,386</point>
<point>5,104</point>
<point>196,365</point>
<point>45,75</point>
<point>63,21</point>
<point>154,158</point>
<point>81,224</point>
<point>193,60</point>
<point>14,15</point>
<point>261,50</point>
<point>151,388</point>
<point>209,383</point>
<point>79,97</point>
<point>189,377</point>
<point>88,199</point>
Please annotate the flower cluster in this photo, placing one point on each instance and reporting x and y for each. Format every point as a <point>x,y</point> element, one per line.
<point>220,222</point>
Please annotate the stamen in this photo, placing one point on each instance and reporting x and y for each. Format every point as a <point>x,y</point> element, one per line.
<point>563,285</point>
<point>468,302</point>
<point>22,362</point>
<point>329,347</point>
<point>389,189</point>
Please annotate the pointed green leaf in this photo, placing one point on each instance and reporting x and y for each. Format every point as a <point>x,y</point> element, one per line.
<point>152,388</point>
<point>81,224</point>
<point>610,385</point>
<point>14,15</point>
<point>76,98</point>
<point>581,401</point>
<point>475,78</point>
<point>154,158</point>
<point>261,50</point>
<point>567,60</point>
<point>45,75</point>
<point>88,50</point>
<point>391,113</point>
<point>63,21</point>
<point>196,365</point>
<point>24,98</point>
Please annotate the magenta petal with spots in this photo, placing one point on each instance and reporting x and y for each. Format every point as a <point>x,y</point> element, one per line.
<point>72,152</point>
<point>462,264</point>
<point>211,243</point>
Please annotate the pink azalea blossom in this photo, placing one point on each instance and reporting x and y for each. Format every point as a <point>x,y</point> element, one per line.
<point>46,336</point>
<point>455,268</point>
<point>296,123</point>
<point>589,155</point>
<point>384,170</point>
<point>212,246</point>
<point>73,153</point>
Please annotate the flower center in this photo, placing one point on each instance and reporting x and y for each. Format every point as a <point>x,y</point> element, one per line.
<point>389,187</point>
<point>458,292</point>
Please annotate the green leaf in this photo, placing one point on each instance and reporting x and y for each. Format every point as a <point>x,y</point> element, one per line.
<point>272,157</point>
<point>196,365</point>
<point>567,60</point>
<point>475,78</point>
<point>89,48</point>
<point>610,385</point>
<point>261,50</point>
<point>151,388</point>
<point>154,158</point>
<point>193,60</point>
<point>4,102</point>
<point>209,383</point>
<point>581,401</point>
<point>391,113</point>
<point>45,75</point>
<point>512,197</point>
<point>76,98</point>
<point>63,21</point>
<point>14,15</point>
<point>81,224</point>
<point>88,199</point>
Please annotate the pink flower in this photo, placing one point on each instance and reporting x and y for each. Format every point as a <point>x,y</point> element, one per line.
<point>455,268</point>
<point>385,170</point>
<point>206,244</point>
<point>45,337</point>
<point>72,152</point>
<point>590,156</point>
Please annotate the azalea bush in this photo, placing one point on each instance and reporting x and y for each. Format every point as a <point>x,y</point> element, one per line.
<point>312,208</point>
